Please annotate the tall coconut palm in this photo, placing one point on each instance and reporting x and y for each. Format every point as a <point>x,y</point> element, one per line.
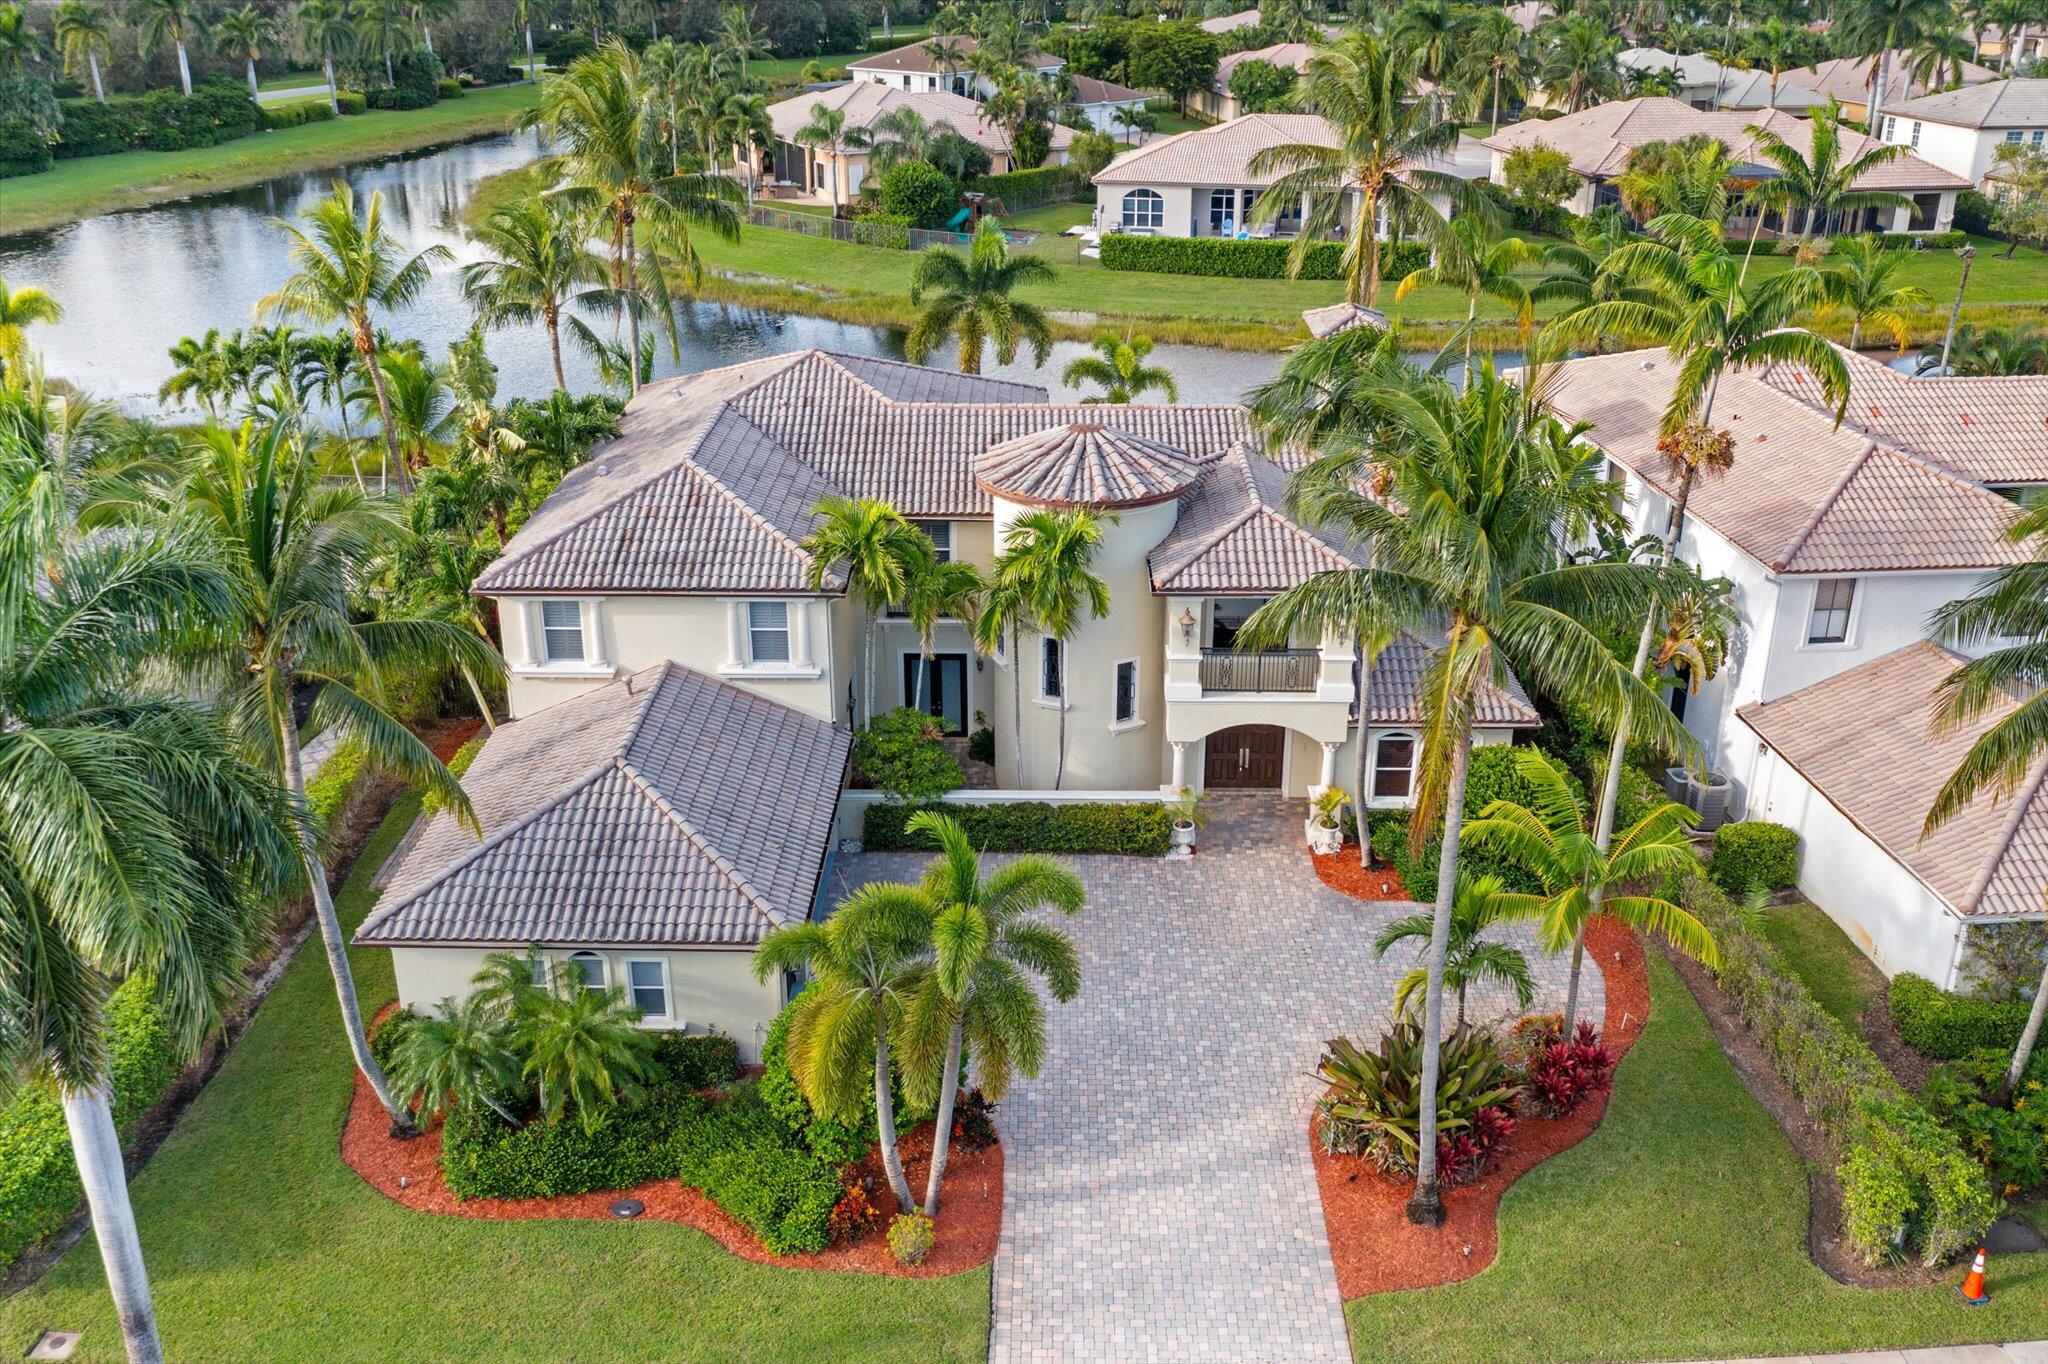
<point>243,32</point>
<point>976,1003</point>
<point>427,13</point>
<point>381,33</point>
<point>536,261</point>
<point>900,135</point>
<point>523,12</point>
<point>1432,30</point>
<point>1581,63</point>
<point>937,589</point>
<point>1050,556</point>
<point>294,549</point>
<point>135,843</point>
<point>1497,58</point>
<point>828,131</point>
<point>1470,957</point>
<point>1383,133</point>
<point>1773,45</point>
<point>1691,176</point>
<point>422,408</point>
<point>21,309</point>
<point>83,38</point>
<point>1862,280</point>
<point>1118,368</point>
<point>609,172</point>
<point>1552,839</point>
<point>348,266</point>
<point>1473,258</point>
<point>1882,27</point>
<point>970,297</point>
<point>327,28</point>
<point>1464,551</point>
<point>1819,180</point>
<point>863,963</point>
<point>176,22</point>
<point>877,551</point>
<point>740,38</point>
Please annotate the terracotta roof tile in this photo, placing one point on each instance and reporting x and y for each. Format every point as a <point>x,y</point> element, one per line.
<point>1234,537</point>
<point>1086,464</point>
<point>1397,687</point>
<point>865,101</point>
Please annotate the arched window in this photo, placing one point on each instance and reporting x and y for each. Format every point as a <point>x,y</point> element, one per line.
<point>1143,208</point>
<point>1393,767</point>
<point>593,969</point>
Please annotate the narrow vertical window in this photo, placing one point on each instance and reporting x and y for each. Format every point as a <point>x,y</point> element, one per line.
<point>1832,600</point>
<point>561,628</point>
<point>1052,673</point>
<point>1127,691</point>
<point>768,631</point>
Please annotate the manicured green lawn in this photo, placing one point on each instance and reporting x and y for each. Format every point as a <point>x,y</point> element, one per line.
<point>262,1245</point>
<point>1053,218</point>
<point>96,184</point>
<point>291,80</point>
<point>1841,978</point>
<point>1676,1231</point>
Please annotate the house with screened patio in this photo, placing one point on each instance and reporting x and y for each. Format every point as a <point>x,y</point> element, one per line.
<point>685,680</point>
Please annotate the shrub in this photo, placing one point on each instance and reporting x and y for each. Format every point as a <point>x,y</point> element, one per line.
<point>690,1063</point>
<point>920,194</point>
<point>1260,86</point>
<point>565,47</point>
<point>1373,1104</point>
<point>1753,853</point>
<point>901,752</point>
<point>219,111</point>
<point>854,1213</point>
<point>911,1237</point>
<point>95,129</point>
<point>1246,259</point>
<point>297,115</point>
<point>981,745</point>
<point>890,230</point>
<point>743,1159</point>
<point>388,1033</point>
<point>1907,1183</point>
<point>1936,1023</point>
<point>327,790</point>
<point>1562,1075</point>
<point>1143,829</point>
<point>23,149</point>
<point>1973,213</point>
<point>2012,1143</point>
<point>448,88</point>
<point>1089,152</point>
<point>418,83</point>
<point>351,102</point>
<point>482,1157</point>
<point>1030,188</point>
<point>1494,774</point>
<point>835,1142</point>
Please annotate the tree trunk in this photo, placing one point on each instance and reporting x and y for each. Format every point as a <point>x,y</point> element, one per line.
<point>1872,122</point>
<point>1426,1205</point>
<point>366,346</point>
<point>333,97</point>
<point>1855,331</point>
<point>390,76</point>
<point>99,89</point>
<point>427,33</point>
<point>184,69</point>
<point>924,663</point>
<point>1059,771</point>
<point>885,1119</point>
<point>1017,701</point>
<point>253,91</point>
<point>2028,1035</point>
<point>331,936</point>
<point>867,665</point>
<point>96,1150</point>
<point>483,706</point>
<point>1369,225</point>
<point>1496,102</point>
<point>529,52</point>
<point>554,325</point>
<point>942,1121</point>
<point>631,297</point>
<point>1471,320</point>
<point>1362,762</point>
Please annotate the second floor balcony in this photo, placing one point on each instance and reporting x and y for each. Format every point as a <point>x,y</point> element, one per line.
<point>1272,670</point>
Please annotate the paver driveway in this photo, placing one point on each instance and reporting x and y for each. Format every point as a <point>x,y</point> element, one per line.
<point>1161,1200</point>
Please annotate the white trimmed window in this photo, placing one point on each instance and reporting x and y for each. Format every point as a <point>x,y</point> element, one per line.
<point>1127,692</point>
<point>537,970</point>
<point>940,533</point>
<point>1915,144</point>
<point>2035,138</point>
<point>561,632</point>
<point>592,966</point>
<point>647,986</point>
<point>1890,125</point>
<point>1052,671</point>
<point>1393,767</point>
<point>2015,136</point>
<point>768,631</point>
<point>1833,601</point>
<point>1143,208</point>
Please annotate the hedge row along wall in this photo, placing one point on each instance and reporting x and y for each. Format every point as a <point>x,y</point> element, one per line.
<point>1030,188</point>
<point>1143,829</point>
<point>1227,258</point>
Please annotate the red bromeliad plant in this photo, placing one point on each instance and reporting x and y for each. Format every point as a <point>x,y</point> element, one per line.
<point>1563,1074</point>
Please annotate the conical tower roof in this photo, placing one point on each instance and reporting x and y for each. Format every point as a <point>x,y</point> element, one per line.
<point>1086,464</point>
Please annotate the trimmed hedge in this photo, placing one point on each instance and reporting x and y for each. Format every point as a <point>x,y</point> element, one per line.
<point>1936,1023</point>
<point>1144,829</point>
<point>23,149</point>
<point>328,789</point>
<point>888,230</point>
<point>297,115</point>
<point>1232,259</point>
<point>352,102</point>
<point>1030,188</point>
<point>1753,852</point>
<point>1886,241</point>
<point>38,1181</point>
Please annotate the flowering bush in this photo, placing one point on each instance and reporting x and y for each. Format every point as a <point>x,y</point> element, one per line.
<point>1562,1074</point>
<point>973,1129</point>
<point>854,1213</point>
<point>1463,1156</point>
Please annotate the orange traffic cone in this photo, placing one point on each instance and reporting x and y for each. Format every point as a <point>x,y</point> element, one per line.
<point>1973,1283</point>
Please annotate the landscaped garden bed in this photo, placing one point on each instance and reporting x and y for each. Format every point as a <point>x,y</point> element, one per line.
<point>1340,872</point>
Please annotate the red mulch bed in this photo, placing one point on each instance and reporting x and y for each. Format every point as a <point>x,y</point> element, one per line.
<point>970,1212</point>
<point>1378,1250</point>
<point>1340,871</point>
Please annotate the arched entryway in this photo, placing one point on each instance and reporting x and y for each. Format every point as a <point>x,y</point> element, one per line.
<point>1245,758</point>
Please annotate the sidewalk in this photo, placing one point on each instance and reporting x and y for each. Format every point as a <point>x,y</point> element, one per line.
<point>2019,1352</point>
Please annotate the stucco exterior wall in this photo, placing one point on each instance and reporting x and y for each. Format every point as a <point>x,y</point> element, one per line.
<point>708,989</point>
<point>1965,151</point>
<point>1178,207</point>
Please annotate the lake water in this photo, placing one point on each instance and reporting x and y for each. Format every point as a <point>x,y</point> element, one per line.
<point>133,283</point>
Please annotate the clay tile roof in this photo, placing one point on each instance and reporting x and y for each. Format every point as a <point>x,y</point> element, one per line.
<point>1085,463</point>
<point>1396,689</point>
<point>1848,79</point>
<point>914,57</point>
<point>864,102</point>
<point>1230,23</point>
<point>1234,537</point>
<point>1342,317</point>
<point>613,817</point>
<point>1865,740</point>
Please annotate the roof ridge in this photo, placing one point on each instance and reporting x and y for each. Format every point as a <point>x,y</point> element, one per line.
<point>2023,800</point>
<point>699,841</point>
<point>746,508</point>
<point>1791,551</point>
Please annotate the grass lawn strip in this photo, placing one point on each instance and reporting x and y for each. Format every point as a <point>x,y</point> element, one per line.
<point>1677,1230</point>
<point>1841,978</point>
<point>263,1245</point>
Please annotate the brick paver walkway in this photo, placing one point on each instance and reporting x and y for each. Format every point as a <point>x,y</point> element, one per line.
<point>1161,1200</point>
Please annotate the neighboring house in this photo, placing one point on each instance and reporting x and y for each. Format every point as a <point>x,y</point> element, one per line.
<point>1962,130</point>
<point>1201,184</point>
<point>1100,102</point>
<point>1847,81</point>
<point>1218,103</point>
<point>2032,44</point>
<point>1704,83</point>
<point>1342,317</point>
<point>811,170</point>
<point>1840,542</point>
<point>1599,141</point>
<point>914,68</point>
<point>1527,14</point>
<point>1231,23</point>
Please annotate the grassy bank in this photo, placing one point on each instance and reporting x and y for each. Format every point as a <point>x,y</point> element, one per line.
<point>1676,1231</point>
<point>262,1245</point>
<point>98,184</point>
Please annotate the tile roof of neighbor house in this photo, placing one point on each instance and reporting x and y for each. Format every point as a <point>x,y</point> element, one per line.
<point>1529,13</point>
<point>1692,68</point>
<point>615,817</point>
<point>1396,691</point>
<point>1807,496</point>
<point>1341,317</point>
<point>2019,103</point>
<point>1086,464</point>
<point>1848,78</point>
<point>1599,140</point>
<point>1752,90</point>
<point>1287,56</point>
<point>1221,154</point>
<point>1235,538</point>
<point>1865,740</point>
<point>1230,23</point>
<point>914,57</point>
<point>863,102</point>
<point>1088,90</point>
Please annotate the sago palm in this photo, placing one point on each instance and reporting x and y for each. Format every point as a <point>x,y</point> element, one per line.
<point>1470,957</point>
<point>1118,368</point>
<point>1049,557</point>
<point>878,550</point>
<point>970,297</point>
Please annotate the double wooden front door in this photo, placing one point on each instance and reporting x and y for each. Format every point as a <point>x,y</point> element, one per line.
<point>1246,757</point>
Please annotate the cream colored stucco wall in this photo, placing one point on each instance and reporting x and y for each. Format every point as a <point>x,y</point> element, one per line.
<point>708,989</point>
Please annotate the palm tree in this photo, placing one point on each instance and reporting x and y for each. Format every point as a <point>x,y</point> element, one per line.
<point>1049,556</point>
<point>173,21</point>
<point>1470,957</point>
<point>880,551</point>
<point>1473,257</point>
<point>609,172</point>
<point>134,841</point>
<point>1464,550</point>
<point>900,135</point>
<point>975,1001</point>
<point>1773,44</point>
<point>1882,26</point>
<point>422,409</point>
<point>584,1047</point>
<point>536,259</point>
<point>326,27</point>
<point>348,266</point>
<point>1432,30</point>
<point>2019,349</point>
<point>458,1056</point>
<point>1552,839</point>
<point>827,131</point>
<point>21,309</point>
<point>427,13</point>
<point>1862,280</point>
<point>1498,53</point>
<point>1382,133</point>
<point>523,12</point>
<point>294,550</point>
<point>201,370</point>
<point>1004,614</point>
<point>243,31</point>
<point>937,589</point>
<point>1819,180</point>
<point>381,32</point>
<point>82,37</point>
<point>862,961</point>
<point>1119,368</point>
<point>739,37</point>
<point>969,296</point>
<point>1580,66</point>
<point>1690,177</point>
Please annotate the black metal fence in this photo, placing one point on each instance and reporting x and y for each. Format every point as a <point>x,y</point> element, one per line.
<point>1274,670</point>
